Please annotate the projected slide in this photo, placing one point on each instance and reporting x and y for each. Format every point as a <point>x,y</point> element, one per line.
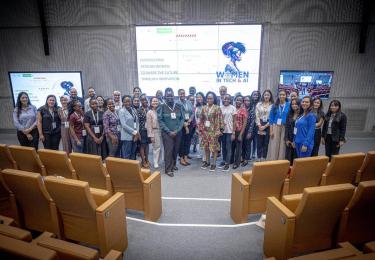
<point>204,56</point>
<point>41,84</point>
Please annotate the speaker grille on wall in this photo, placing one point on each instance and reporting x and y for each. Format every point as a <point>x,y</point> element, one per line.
<point>356,119</point>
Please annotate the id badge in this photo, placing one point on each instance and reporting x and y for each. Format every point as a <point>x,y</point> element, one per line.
<point>66,124</point>
<point>264,119</point>
<point>278,121</point>
<point>187,116</point>
<point>53,125</point>
<point>295,131</point>
<point>119,128</point>
<point>207,123</point>
<point>84,133</point>
<point>96,129</point>
<point>173,115</point>
<point>135,125</point>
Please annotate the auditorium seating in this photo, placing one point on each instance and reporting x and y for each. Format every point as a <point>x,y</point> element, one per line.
<point>91,169</point>
<point>369,247</point>
<point>57,163</point>
<point>367,170</point>
<point>358,221</point>
<point>250,191</point>
<point>142,191</point>
<point>37,211</point>
<point>342,168</point>
<point>305,172</point>
<point>7,201</point>
<point>310,226</point>
<point>83,220</point>
<point>6,159</point>
<point>27,159</point>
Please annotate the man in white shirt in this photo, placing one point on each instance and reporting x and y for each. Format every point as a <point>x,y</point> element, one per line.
<point>92,94</point>
<point>228,112</point>
<point>223,91</point>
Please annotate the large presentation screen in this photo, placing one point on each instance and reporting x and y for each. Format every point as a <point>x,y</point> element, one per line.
<point>203,56</point>
<point>307,83</point>
<point>38,85</point>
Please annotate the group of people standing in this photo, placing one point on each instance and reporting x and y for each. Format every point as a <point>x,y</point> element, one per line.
<point>233,128</point>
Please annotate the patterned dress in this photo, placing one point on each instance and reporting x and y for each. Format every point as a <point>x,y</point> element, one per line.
<point>210,123</point>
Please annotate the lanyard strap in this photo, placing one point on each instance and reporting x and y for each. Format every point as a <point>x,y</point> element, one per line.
<point>96,119</point>
<point>172,109</point>
<point>79,116</point>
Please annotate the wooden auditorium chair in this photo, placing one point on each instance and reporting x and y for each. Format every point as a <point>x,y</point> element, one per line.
<point>310,227</point>
<point>37,210</point>
<point>342,168</point>
<point>367,170</point>
<point>90,168</point>
<point>6,158</point>
<point>305,172</point>
<point>358,221</point>
<point>142,190</point>
<point>27,159</point>
<point>8,205</point>
<point>250,191</point>
<point>57,163</point>
<point>84,220</point>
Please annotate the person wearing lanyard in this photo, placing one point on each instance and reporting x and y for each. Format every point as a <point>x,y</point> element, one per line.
<point>93,123</point>
<point>187,129</point>
<point>290,151</point>
<point>49,124</point>
<point>77,131</point>
<point>319,114</point>
<point>171,120</point>
<point>63,114</point>
<point>25,120</point>
<point>145,140</point>
<point>262,112</point>
<point>153,131</point>
<point>210,125</point>
<point>334,129</point>
<point>248,134</point>
<point>278,114</point>
<point>304,129</point>
<point>112,128</point>
<point>129,129</point>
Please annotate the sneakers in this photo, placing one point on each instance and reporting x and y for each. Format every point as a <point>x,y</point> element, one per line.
<point>205,165</point>
<point>235,166</point>
<point>221,165</point>
<point>212,168</point>
<point>226,168</point>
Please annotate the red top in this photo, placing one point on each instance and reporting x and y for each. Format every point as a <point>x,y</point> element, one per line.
<point>240,116</point>
<point>76,120</point>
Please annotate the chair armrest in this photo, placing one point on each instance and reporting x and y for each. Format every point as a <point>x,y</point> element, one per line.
<point>111,224</point>
<point>369,247</point>
<point>66,250</point>
<point>279,229</point>
<point>350,247</point>
<point>108,184</point>
<point>100,196</point>
<point>358,177</point>
<point>146,173</point>
<point>239,199</point>
<point>247,176</point>
<point>152,197</point>
<point>113,255</point>
<point>7,221</point>
<point>292,201</point>
<point>343,223</point>
<point>44,235</point>
<point>323,181</point>
<point>16,233</point>
<point>285,190</point>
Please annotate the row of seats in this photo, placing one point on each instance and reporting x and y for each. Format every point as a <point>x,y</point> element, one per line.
<point>250,190</point>
<point>68,208</point>
<point>17,243</point>
<point>319,218</point>
<point>141,188</point>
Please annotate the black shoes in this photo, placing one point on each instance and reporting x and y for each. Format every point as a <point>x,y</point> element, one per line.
<point>205,165</point>
<point>244,163</point>
<point>175,168</point>
<point>170,174</point>
<point>235,166</point>
<point>226,168</point>
<point>212,168</point>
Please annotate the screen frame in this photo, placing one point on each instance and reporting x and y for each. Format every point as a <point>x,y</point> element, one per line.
<point>206,24</point>
<point>65,71</point>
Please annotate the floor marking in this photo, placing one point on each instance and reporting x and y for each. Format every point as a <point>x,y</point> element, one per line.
<point>190,225</point>
<point>202,199</point>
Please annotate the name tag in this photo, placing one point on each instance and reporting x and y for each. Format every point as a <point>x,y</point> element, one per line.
<point>173,115</point>
<point>119,128</point>
<point>135,125</point>
<point>53,125</point>
<point>66,124</point>
<point>84,133</point>
<point>207,123</point>
<point>187,116</point>
<point>96,129</point>
<point>264,119</point>
<point>295,131</point>
<point>278,121</point>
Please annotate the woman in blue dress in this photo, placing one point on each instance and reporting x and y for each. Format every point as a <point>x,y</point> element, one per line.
<point>304,129</point>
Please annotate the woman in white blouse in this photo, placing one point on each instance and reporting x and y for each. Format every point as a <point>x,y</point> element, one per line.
<point>153,132</point>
